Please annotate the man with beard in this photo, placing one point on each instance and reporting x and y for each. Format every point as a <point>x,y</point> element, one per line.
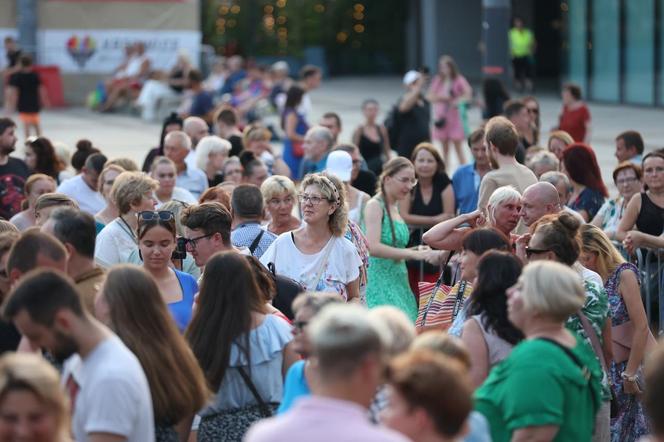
<point>110,395</point>
<point>501,140</point>
<point>13,172</point>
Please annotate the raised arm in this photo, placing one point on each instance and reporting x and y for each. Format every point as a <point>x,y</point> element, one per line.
<point>447,235</point>
<point>629,217</point>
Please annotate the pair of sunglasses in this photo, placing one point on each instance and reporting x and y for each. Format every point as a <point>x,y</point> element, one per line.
<point>161,215</point>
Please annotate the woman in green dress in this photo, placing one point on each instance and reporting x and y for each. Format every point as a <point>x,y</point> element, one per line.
<point>388,234</point>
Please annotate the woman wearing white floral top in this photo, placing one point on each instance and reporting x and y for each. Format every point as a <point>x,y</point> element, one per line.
<point>317,255</point>
<point>627,178</point>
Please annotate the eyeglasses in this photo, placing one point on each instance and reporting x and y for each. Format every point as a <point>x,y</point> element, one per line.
<point>194,241</point>
<point>531,251</point>
<point>299,325</point>
<point>406,180</point>
<point>626,181</point>
<point>161,215</point>
<point>652,170</point>
<point>305,199</point>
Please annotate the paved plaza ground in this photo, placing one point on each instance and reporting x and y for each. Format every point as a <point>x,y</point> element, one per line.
<point>123,135</point>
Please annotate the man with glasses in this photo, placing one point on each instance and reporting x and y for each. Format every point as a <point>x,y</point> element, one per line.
<point>207,230</point>
<point>83,187</point>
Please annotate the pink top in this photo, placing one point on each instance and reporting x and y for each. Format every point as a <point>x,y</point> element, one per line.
<point>322,419</point>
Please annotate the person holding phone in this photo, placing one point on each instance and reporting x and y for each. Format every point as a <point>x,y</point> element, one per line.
<point>157,244</point>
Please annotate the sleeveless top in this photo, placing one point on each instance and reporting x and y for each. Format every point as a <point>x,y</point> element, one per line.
<point>369,148</point>
<point>651,217</point>
<point>498,348</point>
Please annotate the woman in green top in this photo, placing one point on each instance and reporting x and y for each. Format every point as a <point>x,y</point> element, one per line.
<point>387,235</point>
<point>549,388</point>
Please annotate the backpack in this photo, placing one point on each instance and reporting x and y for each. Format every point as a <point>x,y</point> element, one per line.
<point>287,291</point>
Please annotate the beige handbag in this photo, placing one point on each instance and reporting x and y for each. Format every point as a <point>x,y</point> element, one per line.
<point>621,336</point>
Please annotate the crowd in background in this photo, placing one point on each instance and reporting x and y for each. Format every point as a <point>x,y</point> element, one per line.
<point>261,283</point>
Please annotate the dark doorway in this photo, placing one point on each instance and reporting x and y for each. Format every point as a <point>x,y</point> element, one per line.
<point>547,24</point>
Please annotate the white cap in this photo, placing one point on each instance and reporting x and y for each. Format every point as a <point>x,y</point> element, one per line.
<point>281,65</point>
<point>411,77</point>
<point>340,164</point>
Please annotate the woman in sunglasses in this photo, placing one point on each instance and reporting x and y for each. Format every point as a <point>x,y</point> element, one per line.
<point>318,255</point>
<point>132,193</point>
<point>156,244</point>
<point>558,238</point>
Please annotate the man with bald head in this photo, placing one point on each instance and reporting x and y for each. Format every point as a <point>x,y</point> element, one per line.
<point>177,146</point>
<point>196,128</point>
<point>317,145</point>
<point>541,199</point>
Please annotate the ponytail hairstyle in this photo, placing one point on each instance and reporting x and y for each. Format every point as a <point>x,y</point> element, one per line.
<point>391,168</point>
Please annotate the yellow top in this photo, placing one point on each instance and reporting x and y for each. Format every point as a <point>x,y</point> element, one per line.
<point>521,42</point>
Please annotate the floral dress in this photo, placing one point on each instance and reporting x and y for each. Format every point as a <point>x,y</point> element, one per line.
<point>589,200</point>
<point>388,279</point>
<point>630,423</point>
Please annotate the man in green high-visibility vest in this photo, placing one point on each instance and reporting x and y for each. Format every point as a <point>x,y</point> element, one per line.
<point>522,47</point>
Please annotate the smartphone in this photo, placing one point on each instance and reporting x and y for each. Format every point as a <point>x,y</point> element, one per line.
<point>180,251</point>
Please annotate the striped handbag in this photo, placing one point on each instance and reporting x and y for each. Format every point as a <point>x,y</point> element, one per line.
<point>440,304</point>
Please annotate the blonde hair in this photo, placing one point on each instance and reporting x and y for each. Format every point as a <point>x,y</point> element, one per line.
<point>210,144</point>
<point>594,240</point>
<point>398,330</point>
<point>158,161</point>
<point>444,343</point>
<point>30,372</point>
<point>127,164</point>
<point>499,196</point>
<point>275,185</point>
<point>255,132</point>
<point>552,289</point>
<point>339,218</point>
<point>129,188</point>
<point>391,168</point>
<point>560,135</point>
<point>176,207</point>
<point>32,179</point>
<point>54,199</point>
<point>100,181</point>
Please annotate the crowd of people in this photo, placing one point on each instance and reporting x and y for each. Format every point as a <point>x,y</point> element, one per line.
<point>233,290</point>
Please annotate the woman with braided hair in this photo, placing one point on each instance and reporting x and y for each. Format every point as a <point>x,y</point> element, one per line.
<point>388,235</point>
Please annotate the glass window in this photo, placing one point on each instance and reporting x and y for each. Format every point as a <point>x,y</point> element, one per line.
<point>605,84</point>
<point>577,33</point>
<point>661,54</point>
<point>640,51</point>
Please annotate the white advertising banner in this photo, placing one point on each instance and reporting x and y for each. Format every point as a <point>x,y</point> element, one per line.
<point>85,51</point>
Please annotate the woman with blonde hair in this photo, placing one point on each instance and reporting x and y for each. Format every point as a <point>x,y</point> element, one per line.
<point>256,138</point>
<point>106,179</point>
<point>629,323</point>
<point>280,196</point>
<point>163,170</point>
<point>33,407</point>
<point>131,305</point>
<point>35,186</point>
<point>549,387</point>
<point>558,141</point>
<point>448,92</point>
<point>317,255</point>
<point>132,193</point>
<point>387,234</point>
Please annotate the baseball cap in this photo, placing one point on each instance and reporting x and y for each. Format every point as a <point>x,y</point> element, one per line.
<point>340,164</point>
<point>410,77</point>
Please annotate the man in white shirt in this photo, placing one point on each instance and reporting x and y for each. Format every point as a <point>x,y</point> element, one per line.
<point>177,146</point>
<point>83,187</point>
<point>110,396</point>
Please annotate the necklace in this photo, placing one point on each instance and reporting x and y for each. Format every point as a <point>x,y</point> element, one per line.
<point>127,228</point>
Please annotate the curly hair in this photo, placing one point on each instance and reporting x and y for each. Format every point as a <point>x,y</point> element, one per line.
<point>496,272</point>
<point>339,217</point>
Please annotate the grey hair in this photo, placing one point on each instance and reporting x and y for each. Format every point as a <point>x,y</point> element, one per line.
<point>552,289</point>
<point>544,158</point>
<point>321,133</point>
<point>399,330</point>
<point>182,139</point>
<point>342,338</point>
<point>499,196</point>
<point>206,146</point>
<point>555,177</point>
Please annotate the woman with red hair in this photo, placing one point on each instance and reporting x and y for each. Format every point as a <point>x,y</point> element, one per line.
<point>588,189</point>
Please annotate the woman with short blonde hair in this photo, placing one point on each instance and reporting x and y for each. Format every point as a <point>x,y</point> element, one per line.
<point>46,417</point>
<point>104,184</point>
<point>280,195</point>
<point>132,193</point>
<point>211,154</point>
<point>318,255</point>
<point>35,186</point>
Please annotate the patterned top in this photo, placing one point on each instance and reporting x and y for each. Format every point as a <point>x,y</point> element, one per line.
<point>619,314</point>
<point>589,200</point>
<point>611,213</point>
<point>245,234</point>
<point>354,234</point>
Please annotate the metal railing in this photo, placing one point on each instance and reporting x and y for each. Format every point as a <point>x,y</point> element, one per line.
<point>649,262</point>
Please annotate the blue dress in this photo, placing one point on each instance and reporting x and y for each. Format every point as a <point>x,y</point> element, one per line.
<point>295,386</point>
<point>181,310</point>
<point>289,157</point>
<point>590,200</point>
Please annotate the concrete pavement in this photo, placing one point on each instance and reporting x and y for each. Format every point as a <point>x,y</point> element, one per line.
<point>121,135</point>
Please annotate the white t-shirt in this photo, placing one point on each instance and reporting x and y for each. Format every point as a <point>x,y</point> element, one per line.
<point>88,200</point>
<point>342,266</point>
<point>114,395</point>
<point>114,244</point>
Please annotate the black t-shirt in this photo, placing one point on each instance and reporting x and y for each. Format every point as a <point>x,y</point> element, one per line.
<point>12,57</point>
<point>236,145</point>
<point>366,182</point>
<point>413,128</point>
<point>12,179</point>
<point>9,337</point>
<point>27,84</point>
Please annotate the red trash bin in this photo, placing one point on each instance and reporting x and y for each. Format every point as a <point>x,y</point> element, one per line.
<point>52,81</point>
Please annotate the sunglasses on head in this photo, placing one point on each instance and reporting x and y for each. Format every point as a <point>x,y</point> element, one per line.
<point>161,215</point>
<point>533,251</point>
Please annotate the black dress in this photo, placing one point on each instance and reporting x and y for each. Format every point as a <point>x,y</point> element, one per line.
<point>434,208</point>
<point>371,151</point>
<point>414,128</point>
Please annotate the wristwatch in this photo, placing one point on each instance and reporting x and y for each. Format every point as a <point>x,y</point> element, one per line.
<point>627,377</point>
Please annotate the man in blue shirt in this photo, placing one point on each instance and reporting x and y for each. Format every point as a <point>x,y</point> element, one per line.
<point>317,145</point>
<point>247,211</point>
<point>466,179</point>
<point>202,103</point>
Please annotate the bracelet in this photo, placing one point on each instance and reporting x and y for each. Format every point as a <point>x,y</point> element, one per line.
<point>627,377</point>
